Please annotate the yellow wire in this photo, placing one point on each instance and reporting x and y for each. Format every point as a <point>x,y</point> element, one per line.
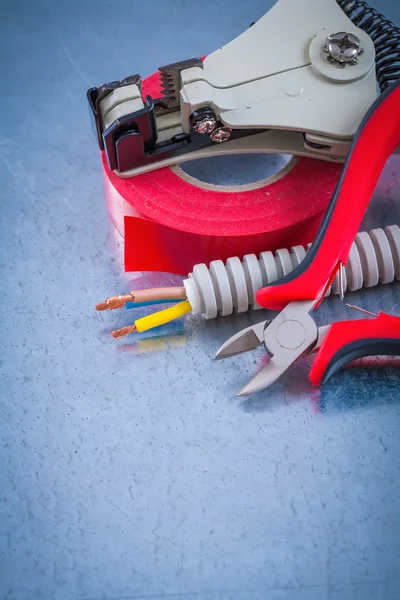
<point>164,316</point>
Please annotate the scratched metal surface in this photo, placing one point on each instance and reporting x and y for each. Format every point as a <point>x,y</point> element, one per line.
<point>131,470</point>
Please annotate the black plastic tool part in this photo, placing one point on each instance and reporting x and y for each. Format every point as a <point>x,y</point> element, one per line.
<point>141,123</point>
<point>361,349</point>
<point>131,152</point>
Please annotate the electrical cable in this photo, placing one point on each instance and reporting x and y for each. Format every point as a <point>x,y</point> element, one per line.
<point>161,295</point>
<point>155,320</point>
<point>222,289</point>
<point>158,294</point>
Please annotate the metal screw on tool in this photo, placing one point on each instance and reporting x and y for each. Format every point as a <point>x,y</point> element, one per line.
<point>343,48</point>
<point>205,125</point>
<point>221,134</point>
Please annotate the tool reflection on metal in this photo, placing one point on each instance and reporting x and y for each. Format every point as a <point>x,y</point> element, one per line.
<point>173,335</point>
<point>154,344</point>
<point>329,400</point>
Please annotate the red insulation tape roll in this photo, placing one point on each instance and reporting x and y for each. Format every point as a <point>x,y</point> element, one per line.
<point>169,224</point>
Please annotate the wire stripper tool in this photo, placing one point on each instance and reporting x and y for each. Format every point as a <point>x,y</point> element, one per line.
<point>298,81</point>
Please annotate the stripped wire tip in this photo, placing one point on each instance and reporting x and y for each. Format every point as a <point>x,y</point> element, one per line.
<point>120,333</point>
<point>115,302</point>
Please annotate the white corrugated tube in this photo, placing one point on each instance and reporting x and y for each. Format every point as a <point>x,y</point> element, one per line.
<point>223,289</point>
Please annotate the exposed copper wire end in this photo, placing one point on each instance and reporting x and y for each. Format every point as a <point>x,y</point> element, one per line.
<point>102,306</point>
<point>119,301</point>
<point>158,294</point>
<point>120,333</point>
<point>115,302</point>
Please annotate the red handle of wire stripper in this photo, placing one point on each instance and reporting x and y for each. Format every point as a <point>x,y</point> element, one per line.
<point>376,139</point>
<point>349,340</point>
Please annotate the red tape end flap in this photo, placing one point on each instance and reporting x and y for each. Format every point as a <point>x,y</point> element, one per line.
<point>152,246</point>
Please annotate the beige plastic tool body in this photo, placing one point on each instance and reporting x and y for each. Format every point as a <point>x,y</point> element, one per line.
<point>276,75</point>
<point>276,78</point>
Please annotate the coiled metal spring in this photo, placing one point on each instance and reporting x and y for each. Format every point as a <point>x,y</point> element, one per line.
<point>384,34</point>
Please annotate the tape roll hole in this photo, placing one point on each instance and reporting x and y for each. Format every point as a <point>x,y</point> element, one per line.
<point>240,171</point>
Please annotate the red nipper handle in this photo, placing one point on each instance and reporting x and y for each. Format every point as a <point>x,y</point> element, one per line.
<point>349,340</point>
<point>377,137</point>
